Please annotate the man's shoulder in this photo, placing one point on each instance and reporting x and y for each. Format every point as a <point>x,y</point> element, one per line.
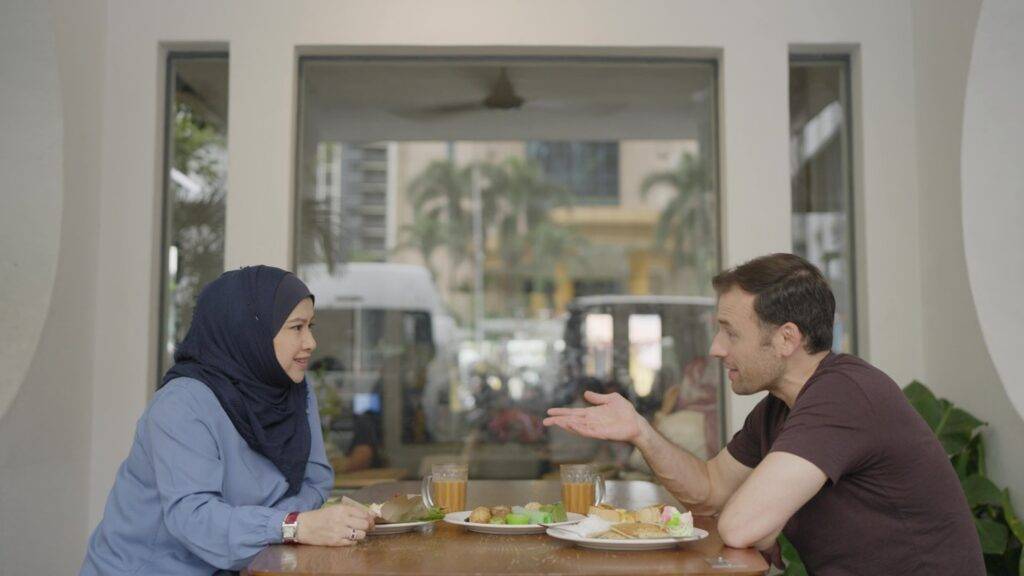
<point>854,366</point>
<point>844,383</point>
<point>847,370</point>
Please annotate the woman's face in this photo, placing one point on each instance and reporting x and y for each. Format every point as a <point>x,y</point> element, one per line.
<point>294,343</point>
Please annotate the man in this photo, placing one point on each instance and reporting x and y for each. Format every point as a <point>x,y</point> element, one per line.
<point>834,456</point>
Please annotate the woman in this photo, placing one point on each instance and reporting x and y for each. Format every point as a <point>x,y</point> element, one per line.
<point>229,456</point>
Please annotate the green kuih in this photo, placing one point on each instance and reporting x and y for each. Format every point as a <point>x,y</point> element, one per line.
<point>558,513</point>
<point>517,519</point>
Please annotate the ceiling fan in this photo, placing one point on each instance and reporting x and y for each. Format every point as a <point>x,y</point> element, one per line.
<point>502,96</point>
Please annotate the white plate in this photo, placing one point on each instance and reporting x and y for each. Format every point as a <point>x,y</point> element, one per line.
<point>379,529</point>
<point>625,544</point>
<point>459,519</point>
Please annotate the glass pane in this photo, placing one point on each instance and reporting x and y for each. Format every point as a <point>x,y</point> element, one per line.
<point>195,188</point>
<point>589,171</point>
<point>644,351</point>
<point>598,347</point>
<point>489,239</point>
<point>820,171</point>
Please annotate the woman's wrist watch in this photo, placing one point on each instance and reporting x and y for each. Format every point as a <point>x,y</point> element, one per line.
<point>290,527</point>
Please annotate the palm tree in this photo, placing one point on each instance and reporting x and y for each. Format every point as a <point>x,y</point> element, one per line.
<point>426,235</point>
<point>686,224</point>
<point>517,201</point>
<point>321,233</point>
<point>440,196</point>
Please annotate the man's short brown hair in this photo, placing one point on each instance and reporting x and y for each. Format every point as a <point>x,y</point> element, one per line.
<point>786,288</point>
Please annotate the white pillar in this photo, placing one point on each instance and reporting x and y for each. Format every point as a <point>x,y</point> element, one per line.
<point>754,157</point>
<point>261,136</point>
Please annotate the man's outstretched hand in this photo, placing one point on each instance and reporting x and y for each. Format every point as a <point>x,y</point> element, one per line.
<point>611,417</point>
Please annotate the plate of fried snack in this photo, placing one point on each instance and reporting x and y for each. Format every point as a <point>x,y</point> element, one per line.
<point>649,528</point>
<point>402,513</point>
<point>533,518</point>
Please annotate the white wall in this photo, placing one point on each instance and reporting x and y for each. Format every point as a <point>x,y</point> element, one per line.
<point>957,362</point>
<point>753,39</point>
<point>44,435</point>
<point>101,322</point>
<point>30,162</point>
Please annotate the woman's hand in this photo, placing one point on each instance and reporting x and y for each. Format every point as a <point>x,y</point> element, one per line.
<point>339,525</point>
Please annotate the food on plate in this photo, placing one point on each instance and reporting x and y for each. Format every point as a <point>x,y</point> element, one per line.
<point>631,530</point>
<point>660,521</point>
<point>517,519</point>
<point>677,524</point>
<point>612,514</point>
<point>480,515</point>
<point>399,509</point>
<point>532,513</point>
<point>649,514</point>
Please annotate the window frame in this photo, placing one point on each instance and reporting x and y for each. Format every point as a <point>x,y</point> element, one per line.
<point>171,57</point>
<point>844,61</point>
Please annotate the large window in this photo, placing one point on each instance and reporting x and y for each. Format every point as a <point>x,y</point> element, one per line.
<point>489,238</point>
<point>194,188</point>
<point>820,157</point>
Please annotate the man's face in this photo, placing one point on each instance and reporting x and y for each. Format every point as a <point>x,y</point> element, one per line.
<point>744,346</point>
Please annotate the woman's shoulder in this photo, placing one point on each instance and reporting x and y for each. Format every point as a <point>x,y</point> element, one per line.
<point>186,394</point>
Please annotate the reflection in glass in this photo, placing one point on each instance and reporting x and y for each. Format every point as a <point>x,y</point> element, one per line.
<point>644,351</point>
<point>195,188</point>
<point>453,238</point>
<point>598,339</point>
<point>820,171</point>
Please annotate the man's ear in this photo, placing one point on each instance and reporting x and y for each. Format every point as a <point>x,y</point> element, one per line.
<point>789,339</point>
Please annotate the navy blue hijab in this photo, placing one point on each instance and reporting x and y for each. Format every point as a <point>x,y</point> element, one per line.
<point>230,348</point>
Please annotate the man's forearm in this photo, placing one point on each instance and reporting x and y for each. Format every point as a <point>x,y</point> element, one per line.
<point>684,475</point>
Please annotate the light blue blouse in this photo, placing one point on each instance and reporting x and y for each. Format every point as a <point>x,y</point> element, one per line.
<point>192,497</point>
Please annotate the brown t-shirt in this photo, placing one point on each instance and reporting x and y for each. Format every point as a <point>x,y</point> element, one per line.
<point>892,503</point>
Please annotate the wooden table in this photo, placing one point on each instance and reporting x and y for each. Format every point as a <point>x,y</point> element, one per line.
<point>446,549</point>
<point>368,477</point>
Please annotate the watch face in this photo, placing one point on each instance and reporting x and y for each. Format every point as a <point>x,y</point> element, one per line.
<point>290,526</point>
<point>288,531</point>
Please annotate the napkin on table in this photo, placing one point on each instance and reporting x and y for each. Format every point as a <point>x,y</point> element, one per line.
<point>590,527</point>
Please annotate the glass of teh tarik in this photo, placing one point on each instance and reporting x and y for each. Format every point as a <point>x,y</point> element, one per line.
<point>445,487</point>
<point>582,487</point>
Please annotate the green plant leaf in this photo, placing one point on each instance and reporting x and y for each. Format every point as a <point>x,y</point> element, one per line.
<point>922,399</point>
<point>1011,518</point>
<point>960,421</point>
<point>795,569</point>
<point>953,443</point>
<point>794,565</point>
<point>954,427</point>
<point>960,462</point>
<point>972,459</point>
<point>981,456</point>
<point>993,535</point>
<point>981,491</point>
